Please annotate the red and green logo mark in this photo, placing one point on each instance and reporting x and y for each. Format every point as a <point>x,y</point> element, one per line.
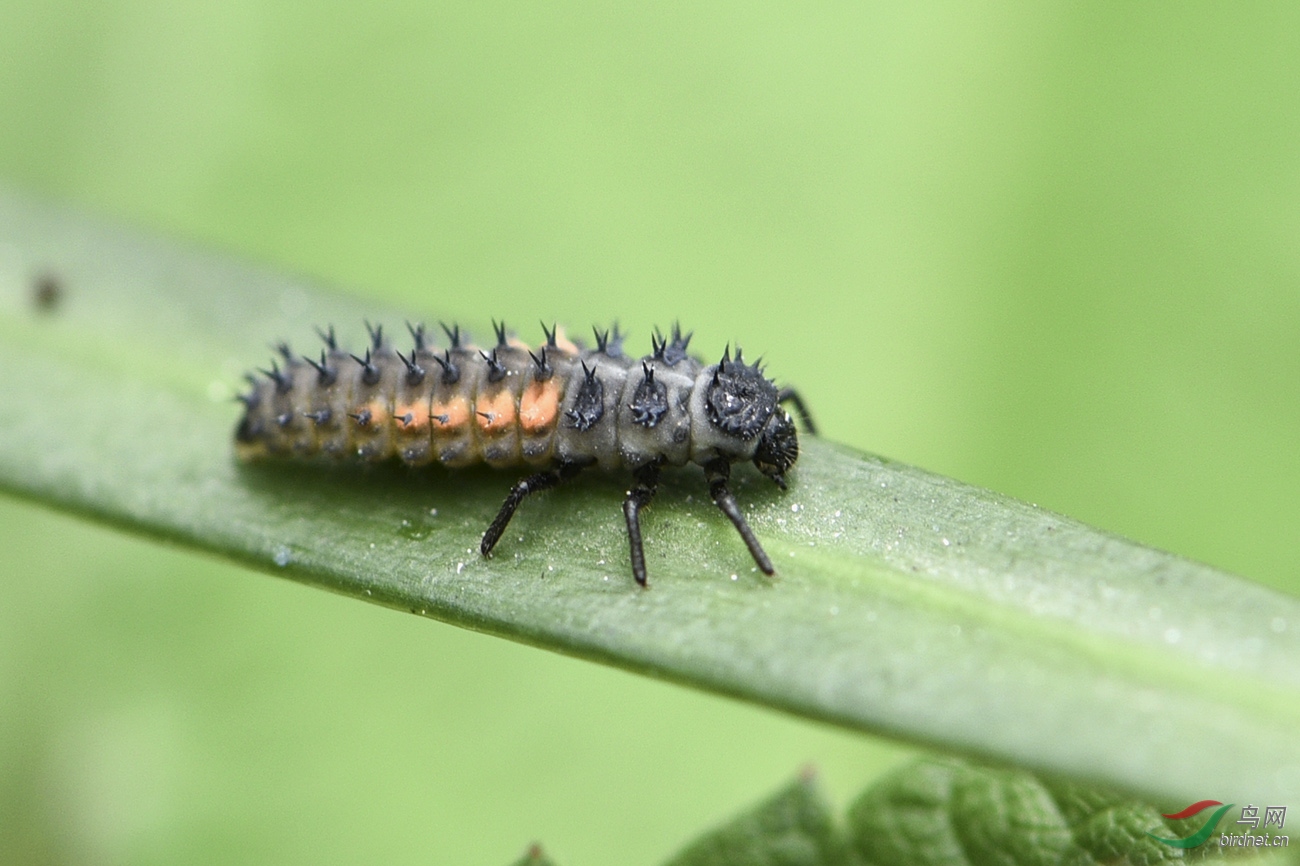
<point>1200,835</point>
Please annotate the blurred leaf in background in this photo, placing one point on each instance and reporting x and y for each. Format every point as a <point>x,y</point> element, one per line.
<point>1051,251</point>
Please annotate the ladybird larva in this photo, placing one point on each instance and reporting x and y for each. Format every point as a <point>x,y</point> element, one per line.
<point>558,409</point>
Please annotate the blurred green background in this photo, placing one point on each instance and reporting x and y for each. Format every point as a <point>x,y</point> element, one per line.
<point>1049,249</point>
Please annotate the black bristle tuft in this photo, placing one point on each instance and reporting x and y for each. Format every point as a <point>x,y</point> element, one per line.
<point>602,338</point>
<point>376,335</point>
<point>414,372</point>
<point>417,334</point>
<point>453,334</point>
<point>500,329</point>
<point>674,351</point>
<point>544,371</point>
<point>321,416</point>
<point>450,372</point>
<point>496,370</point>
<point>650,400</point>
<point>616,338</point>
<point>369,372</point>
<point>550,334</point>
<point>589,404</point>
<point>328,337</point>
<point>283,382</point>
<point>325,374</point>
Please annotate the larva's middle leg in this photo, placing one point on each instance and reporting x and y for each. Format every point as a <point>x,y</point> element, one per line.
<point>532,484</point>
<point>647,478</point>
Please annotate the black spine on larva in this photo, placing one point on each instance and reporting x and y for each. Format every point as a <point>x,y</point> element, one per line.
<point>590,403</point>
<point>453,334</point>
<point>496,370</point>
<point>369,370</point>
<point>650,400</point>
<point>610,342</point>
<point>326,375</point>
<point>414,372</point>
<point>542,369</point>
<point>417,335</point>
<point>450,369</point>
<point>283,381</point>
<point>376,333</point>
<point>674,351</point>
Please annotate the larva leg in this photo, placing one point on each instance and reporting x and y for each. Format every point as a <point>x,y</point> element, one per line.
<point>790,395</point>
<point>718,471</point>
<point>533,483</point>
<point>647,478</point>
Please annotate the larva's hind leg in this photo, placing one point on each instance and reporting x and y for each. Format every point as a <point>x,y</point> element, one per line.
<point>647,478</point>
<point>532,484</point>
<point>790,395</point>
<point>718,472</point>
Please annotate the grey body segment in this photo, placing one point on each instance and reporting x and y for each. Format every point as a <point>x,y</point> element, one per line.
<point>588,430</point>
<point>373,388</point>
<point>538,446</point>
<point>456,443</point>
<point>649,433</point>
<point>500,448</point>
<point>708,442</point>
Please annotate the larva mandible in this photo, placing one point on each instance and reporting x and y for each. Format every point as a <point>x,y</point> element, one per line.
<point>559,409</point>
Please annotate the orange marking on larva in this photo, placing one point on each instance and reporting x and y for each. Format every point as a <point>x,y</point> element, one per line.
<point>450,416</point>
<point>370,416</point>
<point>411,418</point>
<point>495,414</point>
<point>539,406</point>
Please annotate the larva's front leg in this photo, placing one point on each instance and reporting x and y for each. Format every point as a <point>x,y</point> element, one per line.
<point>718,472</point>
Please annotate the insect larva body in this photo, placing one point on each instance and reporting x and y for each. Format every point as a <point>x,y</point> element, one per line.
<point>558,409</point>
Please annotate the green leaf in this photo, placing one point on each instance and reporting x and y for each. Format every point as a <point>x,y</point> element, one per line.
<point>793,828</point>
<point>949,812</point>
<point>906,603</point>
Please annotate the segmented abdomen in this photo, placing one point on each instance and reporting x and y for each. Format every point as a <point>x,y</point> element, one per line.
<point>508,406</point>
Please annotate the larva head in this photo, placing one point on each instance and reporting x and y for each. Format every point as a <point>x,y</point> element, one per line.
<point>778,447</point>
